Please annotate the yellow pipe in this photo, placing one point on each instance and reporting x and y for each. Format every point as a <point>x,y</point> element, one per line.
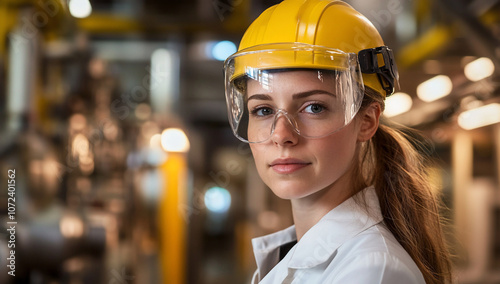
<point>103,23</point>
<point>8,20</point>
<point>3,30</point>
<point>172,225</point>
<point>99,23</point>
<point>434,39</point>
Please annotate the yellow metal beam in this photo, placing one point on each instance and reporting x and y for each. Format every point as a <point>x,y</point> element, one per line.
<point>108,23</point>
<point>3,30</point>
<point>424,46</point>
<point>48,10</point>
<point>172,225</point>
<point>8,17</point>
<point>104,23</point>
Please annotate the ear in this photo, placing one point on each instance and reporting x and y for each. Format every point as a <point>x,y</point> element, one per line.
<point>369,121</point>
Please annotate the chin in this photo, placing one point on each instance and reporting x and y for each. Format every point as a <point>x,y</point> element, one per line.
<point>287,195</point>
<point>290,190</point>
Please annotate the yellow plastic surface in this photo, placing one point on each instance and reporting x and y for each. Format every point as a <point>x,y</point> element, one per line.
<point>329,23</point>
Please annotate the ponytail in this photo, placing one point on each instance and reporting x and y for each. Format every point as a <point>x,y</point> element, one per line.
<point>391,162</point>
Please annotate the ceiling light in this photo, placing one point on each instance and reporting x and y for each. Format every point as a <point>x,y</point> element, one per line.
<point>397,103</point>
<point>174,140</point>
<point>479,117</point>
<point>80,8</point>
<point>434,88</point>
<point>479,69</point>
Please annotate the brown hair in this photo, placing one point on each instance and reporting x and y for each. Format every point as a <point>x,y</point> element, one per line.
<point>391,162</point>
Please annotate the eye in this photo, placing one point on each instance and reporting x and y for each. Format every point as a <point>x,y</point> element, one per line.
<point>262,111</point>
<point>314,108</point>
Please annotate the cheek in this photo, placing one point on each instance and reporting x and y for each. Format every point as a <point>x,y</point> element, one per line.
<point>337,151</point>
<point>258,152</point>
<point>255,151</point>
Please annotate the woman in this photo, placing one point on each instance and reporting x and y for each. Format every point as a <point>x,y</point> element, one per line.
<point>306,90</point>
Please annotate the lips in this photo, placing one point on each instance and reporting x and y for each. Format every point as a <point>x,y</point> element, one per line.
<point>288,165</point>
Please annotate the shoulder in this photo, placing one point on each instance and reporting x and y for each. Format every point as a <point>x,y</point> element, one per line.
<point>374,256</point>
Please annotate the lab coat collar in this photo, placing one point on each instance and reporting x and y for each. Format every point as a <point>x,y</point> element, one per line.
<point>267,249</point>
<point>339,225</point>
<point>320,243</point>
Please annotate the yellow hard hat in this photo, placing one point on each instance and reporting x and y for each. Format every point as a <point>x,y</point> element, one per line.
<point>320,24</point>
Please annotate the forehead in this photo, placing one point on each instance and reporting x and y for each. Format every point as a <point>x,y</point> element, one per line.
<point>291,81</point>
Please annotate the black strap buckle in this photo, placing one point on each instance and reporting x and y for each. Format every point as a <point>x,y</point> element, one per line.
<point>387,74</point>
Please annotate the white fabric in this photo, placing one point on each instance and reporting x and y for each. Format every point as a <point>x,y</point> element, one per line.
<point>350,244</point>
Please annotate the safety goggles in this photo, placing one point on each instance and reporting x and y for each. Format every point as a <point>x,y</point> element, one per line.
<point>315,91</point>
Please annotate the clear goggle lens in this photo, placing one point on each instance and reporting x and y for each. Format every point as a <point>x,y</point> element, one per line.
<point>313,102</point>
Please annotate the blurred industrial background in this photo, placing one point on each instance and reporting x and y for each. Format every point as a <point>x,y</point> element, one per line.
<point>114,129</point>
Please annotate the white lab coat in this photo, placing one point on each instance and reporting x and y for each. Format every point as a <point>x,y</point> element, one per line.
<point>348,245</point>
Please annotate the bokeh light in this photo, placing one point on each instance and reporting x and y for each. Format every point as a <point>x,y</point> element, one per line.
<point>217,199</point>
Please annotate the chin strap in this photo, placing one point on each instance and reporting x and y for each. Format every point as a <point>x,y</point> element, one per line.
<point>387,73</point>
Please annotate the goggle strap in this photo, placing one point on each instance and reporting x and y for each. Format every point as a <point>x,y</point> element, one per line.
<point>387,74</point>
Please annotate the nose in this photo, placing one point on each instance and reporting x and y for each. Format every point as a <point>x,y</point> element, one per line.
<point>285,130</point>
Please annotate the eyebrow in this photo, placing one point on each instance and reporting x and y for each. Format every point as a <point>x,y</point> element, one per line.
<point>300,95</point>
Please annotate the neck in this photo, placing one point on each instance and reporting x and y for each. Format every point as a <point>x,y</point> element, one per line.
<point>307,211</point>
